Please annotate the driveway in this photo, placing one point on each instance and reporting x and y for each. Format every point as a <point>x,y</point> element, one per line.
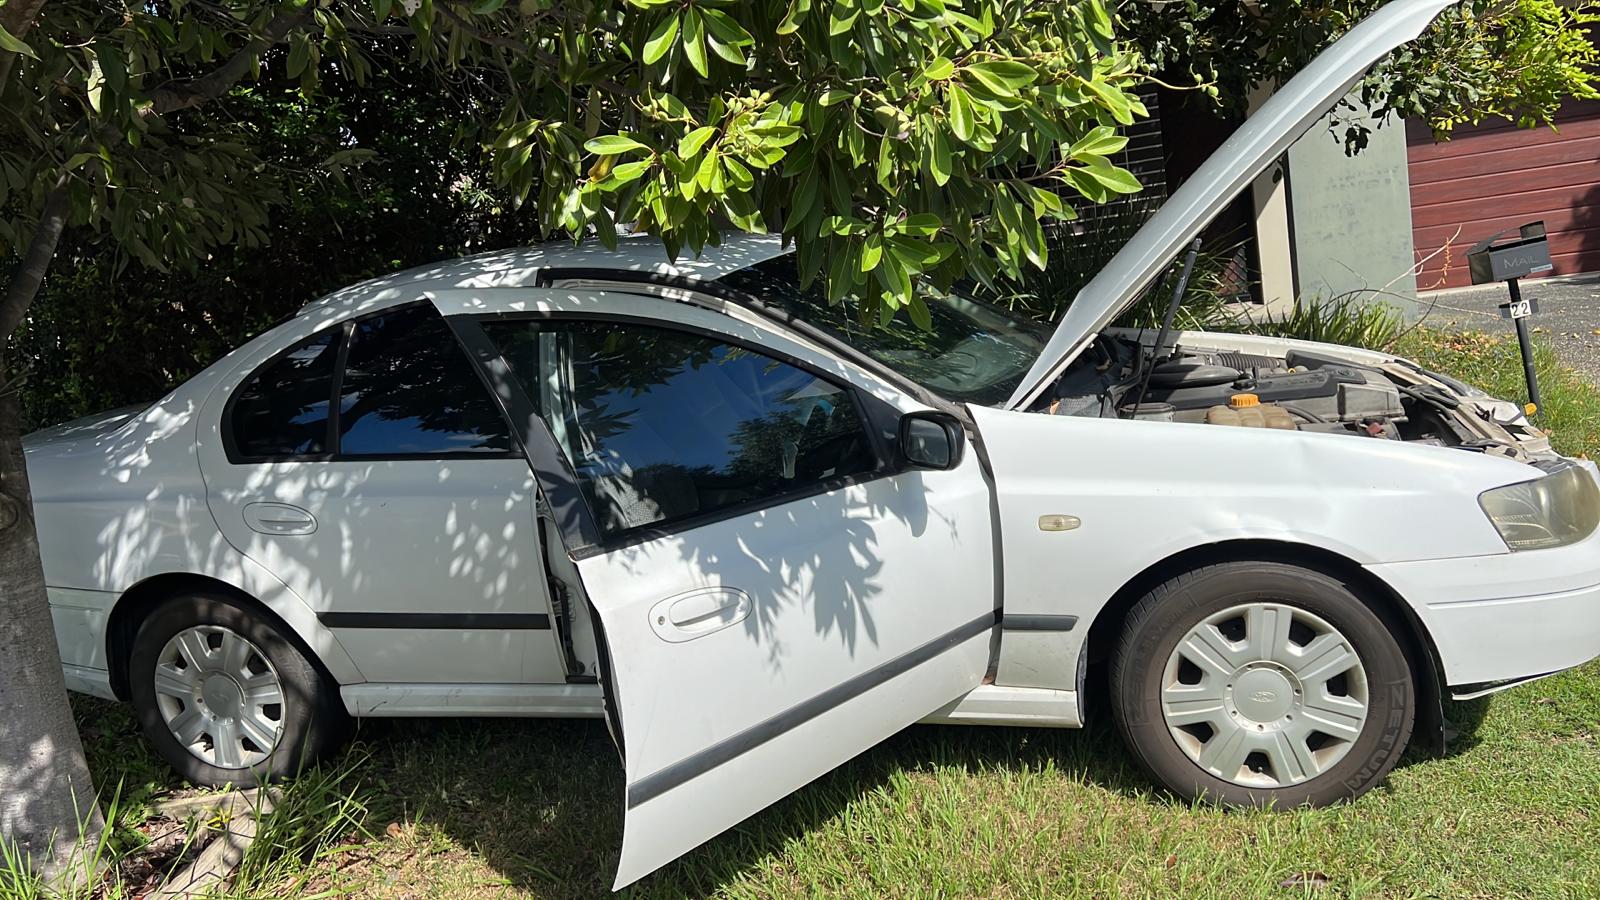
<point>1568,317</point>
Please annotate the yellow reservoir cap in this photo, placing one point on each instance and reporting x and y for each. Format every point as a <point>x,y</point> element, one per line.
<point>1240,401</point>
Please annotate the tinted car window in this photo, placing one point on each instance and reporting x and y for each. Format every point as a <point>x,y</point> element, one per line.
<point>661,425</point>
<point>283,409</point>
<point>408,388</point>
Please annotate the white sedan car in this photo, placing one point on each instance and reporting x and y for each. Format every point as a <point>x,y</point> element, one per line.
<point>695,499</point>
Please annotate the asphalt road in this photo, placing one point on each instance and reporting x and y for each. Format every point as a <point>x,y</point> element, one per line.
<point>1568,316</point>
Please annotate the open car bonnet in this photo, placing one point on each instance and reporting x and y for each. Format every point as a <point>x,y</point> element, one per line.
<point>1262,138</point>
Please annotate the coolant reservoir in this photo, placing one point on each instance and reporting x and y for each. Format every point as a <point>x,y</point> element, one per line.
<point>1247,410</point>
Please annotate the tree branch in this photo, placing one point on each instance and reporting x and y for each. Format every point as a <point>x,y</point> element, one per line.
<point>213,84</point>
<point>24,285</point>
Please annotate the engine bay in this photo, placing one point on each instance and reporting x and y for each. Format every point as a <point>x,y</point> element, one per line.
<point>1118,376</point>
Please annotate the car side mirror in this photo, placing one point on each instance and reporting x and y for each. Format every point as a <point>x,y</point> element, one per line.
<point>931,440</point>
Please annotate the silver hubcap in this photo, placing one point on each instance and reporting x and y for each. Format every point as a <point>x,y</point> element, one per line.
<point>220,697</point>
<point>1264,695</point>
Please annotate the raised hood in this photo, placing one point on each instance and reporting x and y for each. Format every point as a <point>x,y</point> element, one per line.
<point>1262,138</point>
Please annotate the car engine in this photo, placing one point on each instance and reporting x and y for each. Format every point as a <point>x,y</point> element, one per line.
<point>1303,390</point>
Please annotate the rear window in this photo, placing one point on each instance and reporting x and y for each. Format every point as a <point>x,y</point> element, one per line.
<point>408,388</point>
<point>283,409</point>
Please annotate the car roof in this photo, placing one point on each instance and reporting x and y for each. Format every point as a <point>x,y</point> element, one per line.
<point>521,266</point>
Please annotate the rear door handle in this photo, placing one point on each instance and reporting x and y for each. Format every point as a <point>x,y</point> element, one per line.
<point>698,613</point>
<point>279,519</point>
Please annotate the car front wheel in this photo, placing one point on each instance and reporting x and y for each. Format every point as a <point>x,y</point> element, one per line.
<point>1262,684</point>
<point>225,696</point>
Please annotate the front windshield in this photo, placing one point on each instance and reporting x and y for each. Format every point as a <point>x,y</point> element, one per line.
<point>972,353</point>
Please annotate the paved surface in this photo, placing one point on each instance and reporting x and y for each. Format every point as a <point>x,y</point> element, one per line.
<point>1568,316</point>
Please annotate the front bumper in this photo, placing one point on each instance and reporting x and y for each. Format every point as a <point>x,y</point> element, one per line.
<point>1506,617</point>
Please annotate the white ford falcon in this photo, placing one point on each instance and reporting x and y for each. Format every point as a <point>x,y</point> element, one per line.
<point>693,498</point>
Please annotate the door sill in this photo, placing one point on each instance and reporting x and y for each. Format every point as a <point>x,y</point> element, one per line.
<point>531,700</point>
<point>993,704</point>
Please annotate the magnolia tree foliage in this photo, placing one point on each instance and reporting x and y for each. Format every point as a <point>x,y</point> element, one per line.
<point>888,138</point>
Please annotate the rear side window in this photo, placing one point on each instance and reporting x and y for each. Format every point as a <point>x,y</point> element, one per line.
<point>283,409</point>
<point>663,425</point>
<point>408,388</point>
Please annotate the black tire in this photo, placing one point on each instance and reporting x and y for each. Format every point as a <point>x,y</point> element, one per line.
<point>313,719</point>
<point>1165,616</point>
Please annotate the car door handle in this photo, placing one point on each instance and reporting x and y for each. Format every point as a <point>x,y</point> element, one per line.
<point>279,519</point>
<point>698,613</point>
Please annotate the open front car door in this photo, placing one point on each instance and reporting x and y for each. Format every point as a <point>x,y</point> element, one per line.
<point>779,587</point>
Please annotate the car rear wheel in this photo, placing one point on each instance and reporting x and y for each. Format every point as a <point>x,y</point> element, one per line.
<point>1262,684</point>
<point>226,697</point>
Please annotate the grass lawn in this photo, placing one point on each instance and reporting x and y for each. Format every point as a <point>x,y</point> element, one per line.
<point>528,808</point>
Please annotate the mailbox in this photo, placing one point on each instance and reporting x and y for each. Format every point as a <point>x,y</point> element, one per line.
<point>1500,257</point>
<point>1518,256</point>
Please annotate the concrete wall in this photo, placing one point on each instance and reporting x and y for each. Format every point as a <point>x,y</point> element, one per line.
<point>1351,216</point>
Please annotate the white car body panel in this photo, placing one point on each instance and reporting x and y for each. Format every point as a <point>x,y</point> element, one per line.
<point>842,587</point>
<point>392,537</point>
<point>116,508</point>
<point>1147,491</point>
<point>1508,617</point>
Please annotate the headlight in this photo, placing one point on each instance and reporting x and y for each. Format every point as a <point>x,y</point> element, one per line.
<point>1559,509</point>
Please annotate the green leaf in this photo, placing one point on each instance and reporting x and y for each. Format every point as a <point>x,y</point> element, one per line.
<point>839,267</point>
<point>612,145</point>
<point>727,51</point>
<point>299,56</point>
<point>914,255</point>
<point>485,7</point>
<point>15,45</point>
<point>1113,177</point>
<point>920,316</point>
<point>725,29</point>
<point>886,168</point>
<point>1002,77</point>
<point>871,252</point>
<point>660,40</point>
<point>841,20</point>
<point>940,159</point>
<point>894,279</point>
<point>940,69</point>
<point>517,134</point>
<point>694,140</point>
<point>737,174</point>
<point>1099,18</point>
<point>694,42</point>
<point>1113,100</point>
<point>804,199</point>
<point>960,112</point>
<point>1102,140</point>
<point>796,15</point>
<point>709,173</point>
<point>923,224</point>
<point>628,171</point>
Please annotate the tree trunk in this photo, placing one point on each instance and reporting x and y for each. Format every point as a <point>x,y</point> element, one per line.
<point>47,803</point>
